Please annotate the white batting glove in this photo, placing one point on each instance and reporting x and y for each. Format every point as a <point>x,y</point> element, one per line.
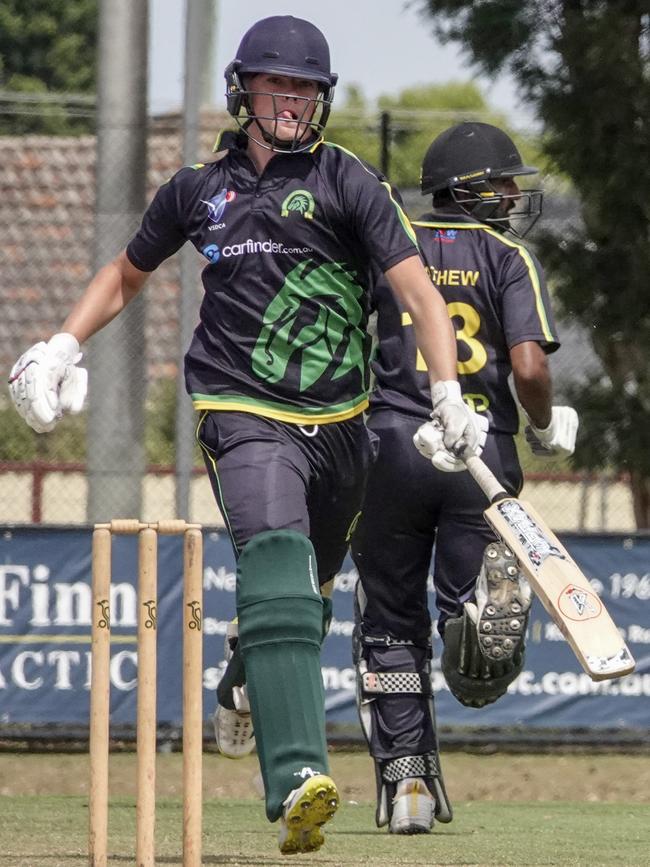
<point>45,382</point>
<point>461,427</point>
<point>431,439</point>
<point>558,440</point>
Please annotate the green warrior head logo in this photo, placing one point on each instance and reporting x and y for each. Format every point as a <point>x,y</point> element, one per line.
<point>333,296</point>
<point>300,202</point>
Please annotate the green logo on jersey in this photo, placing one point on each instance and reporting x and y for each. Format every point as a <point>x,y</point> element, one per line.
<point>333,295</point>
<point>301,202</point>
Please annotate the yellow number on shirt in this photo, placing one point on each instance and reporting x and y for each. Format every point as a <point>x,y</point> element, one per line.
<point>470,324</point>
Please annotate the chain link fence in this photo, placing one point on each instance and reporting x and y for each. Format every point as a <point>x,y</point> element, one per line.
<point>47,237</point>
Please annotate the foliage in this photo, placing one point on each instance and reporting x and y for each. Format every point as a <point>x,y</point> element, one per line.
<point>46,49</point>
<point>67,442</point>
<point>18,442</point>
<point>585,67</point>
<point>415,117</point>
<point>160,422</point>
<point>160,425</point>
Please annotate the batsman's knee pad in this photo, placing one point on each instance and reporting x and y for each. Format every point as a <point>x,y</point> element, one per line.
<point>395,703</point>
<point>278,597</point>
<point>472,679</point>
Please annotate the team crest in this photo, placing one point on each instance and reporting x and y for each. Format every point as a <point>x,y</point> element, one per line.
<point>446,236</point>
<point>299,202</point>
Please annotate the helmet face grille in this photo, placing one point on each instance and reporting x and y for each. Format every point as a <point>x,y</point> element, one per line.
<point>311,116</point>
<point>461,165</point>
<point>506,212</point>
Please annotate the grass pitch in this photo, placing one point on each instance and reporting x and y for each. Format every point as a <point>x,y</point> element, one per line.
<point>45,814</point>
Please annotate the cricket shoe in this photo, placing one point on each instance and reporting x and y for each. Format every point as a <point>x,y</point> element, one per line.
<point>233,729</point>
<point>503,600</point>
<point>413,808</point>
<point>306,810</point>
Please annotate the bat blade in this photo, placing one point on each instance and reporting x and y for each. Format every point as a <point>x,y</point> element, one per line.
<point>563,589</point>
<point>556,578</point>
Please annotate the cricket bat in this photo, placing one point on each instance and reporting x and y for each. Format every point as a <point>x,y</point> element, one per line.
<point>556,578</point>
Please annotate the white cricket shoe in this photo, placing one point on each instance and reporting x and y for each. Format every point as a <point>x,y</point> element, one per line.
<point>233,731</point>
<point>306,810</point>
<point>413,808</point>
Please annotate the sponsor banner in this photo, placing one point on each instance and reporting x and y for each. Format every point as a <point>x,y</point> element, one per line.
<point>45,615</point>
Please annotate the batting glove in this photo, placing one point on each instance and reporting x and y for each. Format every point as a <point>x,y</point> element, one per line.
<point>45,382</point>
<point>454,427</point>
<point>558,440</point>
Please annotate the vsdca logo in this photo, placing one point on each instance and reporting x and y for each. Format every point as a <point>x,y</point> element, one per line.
<point>217,204</point>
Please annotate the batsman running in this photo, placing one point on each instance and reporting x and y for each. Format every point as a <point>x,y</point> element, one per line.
<point>495,293</point>
<point>292,230</point>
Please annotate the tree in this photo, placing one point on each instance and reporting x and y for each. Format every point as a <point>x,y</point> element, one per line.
<point>585,67</point>
<point>46,49</point>
<point>416,116</point>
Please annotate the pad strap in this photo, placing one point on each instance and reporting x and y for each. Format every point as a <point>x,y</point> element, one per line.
<point>410,766</point>
<point>385,641</point>
<point>376,683</point>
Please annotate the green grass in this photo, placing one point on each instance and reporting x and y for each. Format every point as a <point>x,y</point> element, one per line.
<point>50,831</point>
<point>519,810</point>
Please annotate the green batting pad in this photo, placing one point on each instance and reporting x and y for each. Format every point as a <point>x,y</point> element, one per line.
<point>235,673</point>
<point>280,613</point>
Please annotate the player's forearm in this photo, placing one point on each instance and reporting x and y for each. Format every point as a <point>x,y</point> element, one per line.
<point>436,341</point>
<point>434,332</point>
<point>533,383</point>
<point>535,398</point>
<point>104,298</point>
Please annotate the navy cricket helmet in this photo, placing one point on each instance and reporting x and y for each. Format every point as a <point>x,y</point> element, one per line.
<point>287,46</point>
<point>461,163</point>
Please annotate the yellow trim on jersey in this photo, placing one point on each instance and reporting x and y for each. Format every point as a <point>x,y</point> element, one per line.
<point>404,220</point>
<point>217,141</point>
<point>281,415</point>
<point>523,252</point>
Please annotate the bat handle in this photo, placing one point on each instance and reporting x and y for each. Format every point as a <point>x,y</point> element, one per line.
<point>484,477</point>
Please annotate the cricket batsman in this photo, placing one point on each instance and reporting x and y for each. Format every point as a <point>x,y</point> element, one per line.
<point>495,293</point>
<point>291,229</point>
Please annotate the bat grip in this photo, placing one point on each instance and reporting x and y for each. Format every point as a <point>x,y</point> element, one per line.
<point>484,477</point>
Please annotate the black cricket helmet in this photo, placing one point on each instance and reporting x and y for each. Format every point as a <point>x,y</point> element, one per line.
<point>462,162</point>
<point>288,46</point>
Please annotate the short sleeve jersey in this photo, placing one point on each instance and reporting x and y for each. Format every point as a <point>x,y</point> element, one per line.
<point>496,297</point>
<point>290,260</point>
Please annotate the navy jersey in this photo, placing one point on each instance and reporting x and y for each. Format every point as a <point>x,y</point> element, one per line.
<point>496,297</point>
<point>290,253</point>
